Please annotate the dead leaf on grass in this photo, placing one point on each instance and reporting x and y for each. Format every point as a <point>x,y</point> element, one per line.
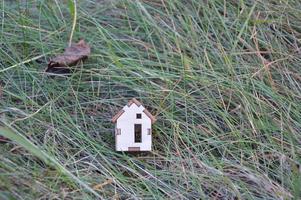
<point>72,55</point>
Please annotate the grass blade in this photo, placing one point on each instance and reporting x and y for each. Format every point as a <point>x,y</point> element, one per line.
<point>13,135</point>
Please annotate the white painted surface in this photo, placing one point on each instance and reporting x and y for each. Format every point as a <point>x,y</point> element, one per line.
<point>126,123</point>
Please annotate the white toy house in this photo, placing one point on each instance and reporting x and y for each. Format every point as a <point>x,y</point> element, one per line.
<point>133,127</point>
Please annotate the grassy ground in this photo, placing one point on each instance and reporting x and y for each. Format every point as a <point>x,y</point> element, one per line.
<point>222,77</point>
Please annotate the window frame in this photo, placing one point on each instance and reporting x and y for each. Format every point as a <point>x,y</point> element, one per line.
<point>117,131</point>
<point>138,133</point>
<point>138,114</point>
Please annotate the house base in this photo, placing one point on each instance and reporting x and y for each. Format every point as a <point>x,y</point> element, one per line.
<point>134,149</point>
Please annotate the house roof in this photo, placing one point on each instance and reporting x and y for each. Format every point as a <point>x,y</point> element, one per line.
<point>135,101</point>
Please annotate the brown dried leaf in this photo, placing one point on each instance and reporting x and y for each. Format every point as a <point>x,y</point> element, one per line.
<point>71,56</point>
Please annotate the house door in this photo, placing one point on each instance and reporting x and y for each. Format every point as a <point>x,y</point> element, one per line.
<point>138,133</point>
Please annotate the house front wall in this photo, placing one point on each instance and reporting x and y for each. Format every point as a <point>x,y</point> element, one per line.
<point>125,141</point>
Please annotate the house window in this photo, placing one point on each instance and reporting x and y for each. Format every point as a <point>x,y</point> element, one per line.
<point>138,133</point>
<point>149,131</point>
<point>117,131</point>
<point>138,116</point>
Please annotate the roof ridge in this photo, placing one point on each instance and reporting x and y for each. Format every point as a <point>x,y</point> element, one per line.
<point>135,101</point>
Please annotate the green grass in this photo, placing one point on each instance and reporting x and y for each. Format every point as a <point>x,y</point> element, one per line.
<point>222,77</point>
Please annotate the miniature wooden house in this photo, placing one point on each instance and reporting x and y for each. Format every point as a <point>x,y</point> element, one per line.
<point>133,128</point>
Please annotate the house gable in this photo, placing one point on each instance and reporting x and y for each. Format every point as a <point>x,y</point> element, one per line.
<point>128,106</point>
